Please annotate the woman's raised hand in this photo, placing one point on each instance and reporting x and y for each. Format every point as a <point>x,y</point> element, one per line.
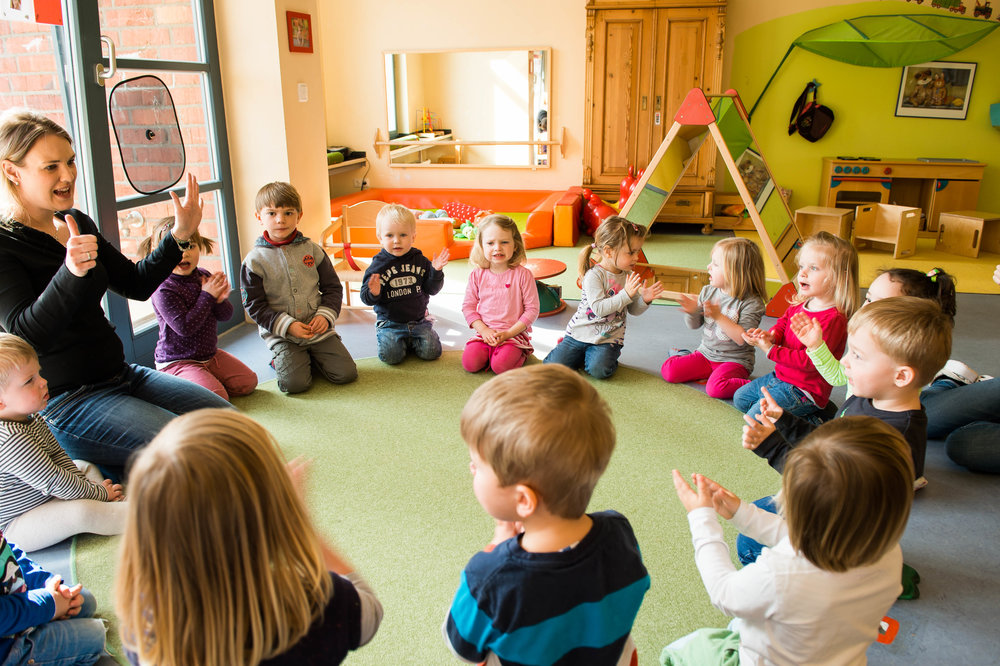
<point>187,213</point>
<point>81,249</point>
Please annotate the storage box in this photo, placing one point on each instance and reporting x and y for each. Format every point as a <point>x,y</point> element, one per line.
<point>813,219</point>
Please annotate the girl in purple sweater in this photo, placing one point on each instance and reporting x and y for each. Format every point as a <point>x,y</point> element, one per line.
<point>188,305</point>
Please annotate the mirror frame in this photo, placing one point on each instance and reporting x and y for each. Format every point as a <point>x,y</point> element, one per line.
<point>536,139</point>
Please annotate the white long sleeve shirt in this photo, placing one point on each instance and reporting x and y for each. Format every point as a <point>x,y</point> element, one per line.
<point>789,610</point>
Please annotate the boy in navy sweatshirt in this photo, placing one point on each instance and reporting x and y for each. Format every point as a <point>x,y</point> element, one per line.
<point>399,283</point>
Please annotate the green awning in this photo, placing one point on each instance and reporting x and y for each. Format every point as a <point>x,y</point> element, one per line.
<point>890,40</point>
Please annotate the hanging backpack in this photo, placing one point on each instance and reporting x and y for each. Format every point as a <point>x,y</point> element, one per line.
<point>810,119</point>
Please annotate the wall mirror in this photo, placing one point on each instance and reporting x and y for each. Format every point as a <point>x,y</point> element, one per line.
<point>468,108</point>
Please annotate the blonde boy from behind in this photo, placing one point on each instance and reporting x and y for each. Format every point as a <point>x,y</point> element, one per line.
<point>539,438</point>
<point>895,347</point>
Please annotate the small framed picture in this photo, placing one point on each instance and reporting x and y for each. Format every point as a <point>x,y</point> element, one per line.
<point>936,90</point>
<point>300,36</point>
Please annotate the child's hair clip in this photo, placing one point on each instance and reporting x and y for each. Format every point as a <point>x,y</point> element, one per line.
<point>933,273</point>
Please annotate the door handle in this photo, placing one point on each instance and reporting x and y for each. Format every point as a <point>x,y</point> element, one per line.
<point>101,72</point>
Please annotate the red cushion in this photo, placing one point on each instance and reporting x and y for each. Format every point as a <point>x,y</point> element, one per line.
<point>460,211</point>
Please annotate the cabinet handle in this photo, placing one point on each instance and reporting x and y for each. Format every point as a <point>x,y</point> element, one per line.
<point>659,102</point>
<point>643,102</point>
<point>682,203</point>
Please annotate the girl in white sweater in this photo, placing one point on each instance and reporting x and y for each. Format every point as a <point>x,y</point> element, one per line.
<point>833,565</point>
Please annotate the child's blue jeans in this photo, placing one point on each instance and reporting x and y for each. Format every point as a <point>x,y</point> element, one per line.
<point>600,361</point>
<point>78,640</point>
<point>747,549</point>
<point>395,339</point>
<point>791,398</point>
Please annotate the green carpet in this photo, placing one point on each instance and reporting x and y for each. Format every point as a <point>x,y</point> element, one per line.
<point>390,486</point>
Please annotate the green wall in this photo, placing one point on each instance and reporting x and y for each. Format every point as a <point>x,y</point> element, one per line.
<point>864,102</point>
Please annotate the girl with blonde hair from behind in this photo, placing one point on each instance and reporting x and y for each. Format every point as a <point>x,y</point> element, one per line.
<point>220,562</point>
<point>728,306</point>
<point>833,564</point>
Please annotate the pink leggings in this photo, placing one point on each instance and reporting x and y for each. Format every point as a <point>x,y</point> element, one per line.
<point>224,374</point>
<point>479,355</point>
<point>723,378</point>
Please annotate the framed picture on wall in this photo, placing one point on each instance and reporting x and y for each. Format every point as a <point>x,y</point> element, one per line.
<point>936,90</point>
<point>300,36</point>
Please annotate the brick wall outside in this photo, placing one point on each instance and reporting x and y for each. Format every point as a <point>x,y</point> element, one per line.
<point>30,76</point>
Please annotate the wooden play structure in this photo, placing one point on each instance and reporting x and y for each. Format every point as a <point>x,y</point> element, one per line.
<point>725,120</point>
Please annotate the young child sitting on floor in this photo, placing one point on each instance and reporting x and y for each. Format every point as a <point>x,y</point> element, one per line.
<point>188,306</point>
<point>567,588</point>
<point>31,602</point>
<point>221,564</point>
<point>895,347</point>
<point>832,569</point>
<point>293,294</point>
<point>611,290</point>
<point>827,283</point>
<point>730,304</point>
<point>501,299</point>
<point>399,283</point>
<point>44,496</point>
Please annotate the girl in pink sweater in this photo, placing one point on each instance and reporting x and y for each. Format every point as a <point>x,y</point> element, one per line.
<point>501,299</point>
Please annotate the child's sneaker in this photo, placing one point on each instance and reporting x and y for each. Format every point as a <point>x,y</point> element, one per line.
<point>919,482</point>
<point>958,372</point>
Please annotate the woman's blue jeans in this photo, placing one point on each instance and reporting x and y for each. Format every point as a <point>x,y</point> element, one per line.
<point>77,640</point>
<point>106,423</point>
<point>791,398</point>
<point>967,417</point>
<point>600,361</point>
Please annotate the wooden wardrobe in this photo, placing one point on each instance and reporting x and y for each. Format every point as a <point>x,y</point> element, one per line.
<point>643,56</point>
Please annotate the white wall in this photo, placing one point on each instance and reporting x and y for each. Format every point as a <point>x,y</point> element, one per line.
<point>356,33</point>
<point>272,136</point>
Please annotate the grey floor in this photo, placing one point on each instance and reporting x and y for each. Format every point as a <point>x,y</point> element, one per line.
<point>952,536</point>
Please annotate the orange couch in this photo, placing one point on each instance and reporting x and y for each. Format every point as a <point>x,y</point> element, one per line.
<point>538,203</point>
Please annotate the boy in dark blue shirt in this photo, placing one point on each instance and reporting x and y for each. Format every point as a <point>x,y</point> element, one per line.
<point>557,585</point>
<point>399,283</point>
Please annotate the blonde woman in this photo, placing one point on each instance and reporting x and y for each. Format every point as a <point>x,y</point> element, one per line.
<point>55,268</point>
<point>220,561</point>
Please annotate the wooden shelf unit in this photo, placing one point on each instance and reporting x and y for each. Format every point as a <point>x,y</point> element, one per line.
<point>934,187</point>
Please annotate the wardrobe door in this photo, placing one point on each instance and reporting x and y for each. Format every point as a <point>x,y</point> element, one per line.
<point>619,108</point>
<point>688,55</point>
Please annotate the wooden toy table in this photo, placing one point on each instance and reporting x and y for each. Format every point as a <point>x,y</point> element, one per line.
<point>549,297</point>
